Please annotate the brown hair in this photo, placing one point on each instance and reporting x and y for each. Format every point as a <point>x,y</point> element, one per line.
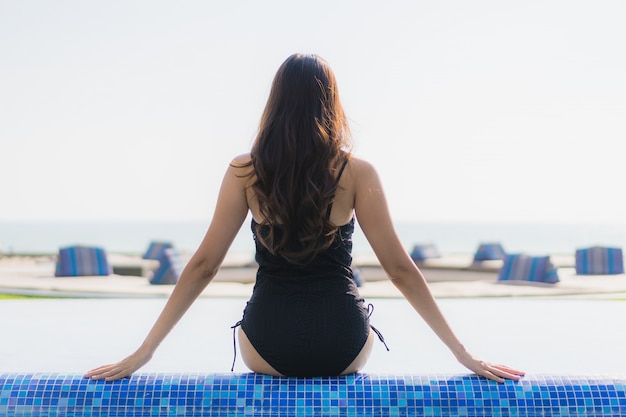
<point>303,140</point>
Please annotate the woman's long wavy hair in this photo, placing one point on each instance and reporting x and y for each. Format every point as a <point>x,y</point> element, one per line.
<point>302,142</point>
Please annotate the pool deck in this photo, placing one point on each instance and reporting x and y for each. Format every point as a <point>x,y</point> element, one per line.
<point>451,276</point>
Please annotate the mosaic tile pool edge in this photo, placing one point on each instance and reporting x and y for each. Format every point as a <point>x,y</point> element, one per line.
<point>57,395</point>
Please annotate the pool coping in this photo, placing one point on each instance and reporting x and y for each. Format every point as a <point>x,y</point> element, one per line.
<point>351,395</point>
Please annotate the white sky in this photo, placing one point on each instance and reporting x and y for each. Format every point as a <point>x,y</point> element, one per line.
<point>471,111</point>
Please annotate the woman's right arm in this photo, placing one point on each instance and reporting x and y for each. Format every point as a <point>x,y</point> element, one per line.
<point>230,212</point>
<point>375,220</point>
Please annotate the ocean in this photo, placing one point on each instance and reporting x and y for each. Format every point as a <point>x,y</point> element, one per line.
<point>453,238</point>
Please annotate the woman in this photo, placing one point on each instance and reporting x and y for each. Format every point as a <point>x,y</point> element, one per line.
<point>303,189</point>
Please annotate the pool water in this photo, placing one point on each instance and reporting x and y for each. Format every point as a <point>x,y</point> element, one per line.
<point>540,336</point>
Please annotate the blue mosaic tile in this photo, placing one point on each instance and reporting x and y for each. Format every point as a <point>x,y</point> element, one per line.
<point>56,395</point>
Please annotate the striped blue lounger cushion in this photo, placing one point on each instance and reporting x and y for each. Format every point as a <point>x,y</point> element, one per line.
<point>599,261</point>
<point>169,270</point>
<point>424,251</point>
<point>73,261</point>
<point>156,249</point>
<point>489,252</point>
<point>520,267</point>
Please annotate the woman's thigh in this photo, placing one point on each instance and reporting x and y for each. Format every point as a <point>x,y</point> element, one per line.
<point>361,359</point>
<point>253,360</point>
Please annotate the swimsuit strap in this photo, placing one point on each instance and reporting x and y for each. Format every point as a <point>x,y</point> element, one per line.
<point>343,166</point>
<point>330,206</point>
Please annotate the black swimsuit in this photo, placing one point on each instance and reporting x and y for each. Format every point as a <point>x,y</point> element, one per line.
<point>307,320</point>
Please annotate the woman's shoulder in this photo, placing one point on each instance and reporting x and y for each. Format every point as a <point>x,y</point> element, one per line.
<point>242,160</point>
<point>362,174</point>
<point>240,167</point>
<point>357,165</point>
<point>242,164</point>
<point>360,166</point>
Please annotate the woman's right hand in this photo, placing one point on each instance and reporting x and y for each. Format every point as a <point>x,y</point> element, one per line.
<point>120,369</point>
<point>498,373</point>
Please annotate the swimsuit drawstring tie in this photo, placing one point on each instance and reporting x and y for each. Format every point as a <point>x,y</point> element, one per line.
<point>370,310</point>
<point>232,368</point>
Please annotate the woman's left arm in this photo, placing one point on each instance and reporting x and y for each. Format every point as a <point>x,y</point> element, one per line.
<point>375,221</point>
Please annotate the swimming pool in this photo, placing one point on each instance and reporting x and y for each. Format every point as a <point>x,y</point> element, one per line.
<point>548,336</point>
<point>48,344</point>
